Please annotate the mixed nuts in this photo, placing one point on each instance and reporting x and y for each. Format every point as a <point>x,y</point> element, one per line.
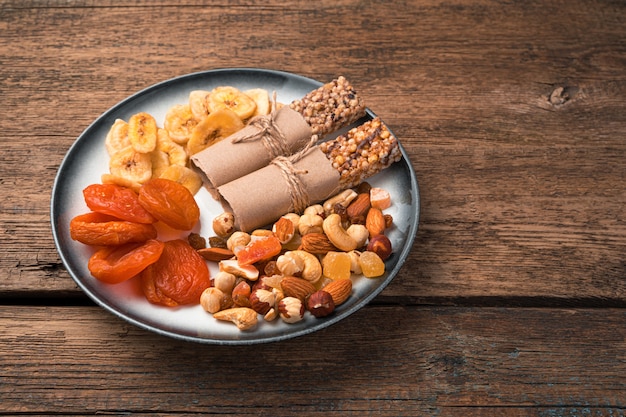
<point>304,262</point>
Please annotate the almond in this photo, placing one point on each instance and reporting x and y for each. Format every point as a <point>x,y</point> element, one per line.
<point>284,229</point>
<point>316,243</point>
<point>357,210</point>
<point>297,287</point>
<point>215,254</point>
<point>375,222</point>
<point>339,289</point>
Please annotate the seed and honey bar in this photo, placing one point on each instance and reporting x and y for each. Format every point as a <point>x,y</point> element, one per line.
<point>292,183</point>
<point>330,107</point>
<point>362,152</point>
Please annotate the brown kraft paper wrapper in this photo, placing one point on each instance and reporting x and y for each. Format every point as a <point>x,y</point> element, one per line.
<point>259,198</point>
<point>226,160</point>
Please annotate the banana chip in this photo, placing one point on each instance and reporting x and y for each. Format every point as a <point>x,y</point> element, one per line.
<point>160,162</point>
<point>176,153</point>
<point>231,98</point>
<point>114,179</point>
<point>218,125</point>
<point>142,132</point>
<point>117,137</point>
<point>262,99</point>
<point>198,104</point>
<point>131,165</point>
<point>187,177</point>
<point>179,123</point>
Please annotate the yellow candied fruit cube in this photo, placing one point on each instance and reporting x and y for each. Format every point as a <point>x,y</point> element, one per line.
<point>371,264</point>
<point>336,265</point>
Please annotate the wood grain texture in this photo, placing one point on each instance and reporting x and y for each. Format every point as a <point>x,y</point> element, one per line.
<point>399,363</point>
<point>513,117</point>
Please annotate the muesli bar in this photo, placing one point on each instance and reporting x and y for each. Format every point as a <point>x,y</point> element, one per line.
<point>330,107</point>
<point>362,152</point>
<point>291,184</point>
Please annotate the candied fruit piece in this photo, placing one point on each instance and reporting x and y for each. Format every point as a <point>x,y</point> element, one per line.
<point>336,265</point>
<point>259,250</point>
<point>380,198</point>
<point>371,264</point>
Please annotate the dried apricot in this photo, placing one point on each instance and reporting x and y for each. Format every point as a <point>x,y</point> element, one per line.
<point>170,202</point>
<point>179,276</point>
<point>260,249</point>
<point>118,201</point>
<point>99,229</point>
<point>115,264</point>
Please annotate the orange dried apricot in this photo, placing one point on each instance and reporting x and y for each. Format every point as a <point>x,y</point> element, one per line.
<point>118,201</point>
<point>170,202</point>
<point>99,229</point>
<point>178,278</point>
<point>115,264</point>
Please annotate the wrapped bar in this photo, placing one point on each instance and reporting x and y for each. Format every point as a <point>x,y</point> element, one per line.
<point>281,133</point>
<point>292,184</point>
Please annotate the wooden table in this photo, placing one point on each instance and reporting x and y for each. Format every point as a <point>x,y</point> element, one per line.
<point>512,299</point>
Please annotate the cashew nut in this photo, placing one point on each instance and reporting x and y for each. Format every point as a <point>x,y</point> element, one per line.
<point>312,270</point>
<point>231,266</point>
<point>344,198</point>
<point>315,209</point>
<point>337,234</point>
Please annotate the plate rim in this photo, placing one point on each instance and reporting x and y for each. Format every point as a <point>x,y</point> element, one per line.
<point>328,321</point>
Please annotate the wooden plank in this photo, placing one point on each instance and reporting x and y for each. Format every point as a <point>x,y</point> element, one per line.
<point>380,361</point>
<point>522,186</point>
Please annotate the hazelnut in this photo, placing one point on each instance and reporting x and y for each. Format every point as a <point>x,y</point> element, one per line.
<point>380,245</point>
<point>211,300</point>
<point>224,224</point>
<point>310,223</point>
<point>289,264</point>
<point>291,309</point>
<point>262,300</point>
<point>321,304</point>
<point>224,281</point>
<point>359,233</point>
<point>238,240</point>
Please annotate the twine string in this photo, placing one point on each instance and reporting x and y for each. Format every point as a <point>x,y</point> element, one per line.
<point>269,133</point>
<point>297,191</point>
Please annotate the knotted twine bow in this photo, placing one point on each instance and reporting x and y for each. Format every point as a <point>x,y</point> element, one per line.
<point>275,143</point>
<point>269,133</point>
<point>297,190</point>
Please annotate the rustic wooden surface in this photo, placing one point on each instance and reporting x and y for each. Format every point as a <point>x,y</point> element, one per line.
<point>512,300</point>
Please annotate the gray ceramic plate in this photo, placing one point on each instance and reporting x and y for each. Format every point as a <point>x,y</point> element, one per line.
<point>87,159</point>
